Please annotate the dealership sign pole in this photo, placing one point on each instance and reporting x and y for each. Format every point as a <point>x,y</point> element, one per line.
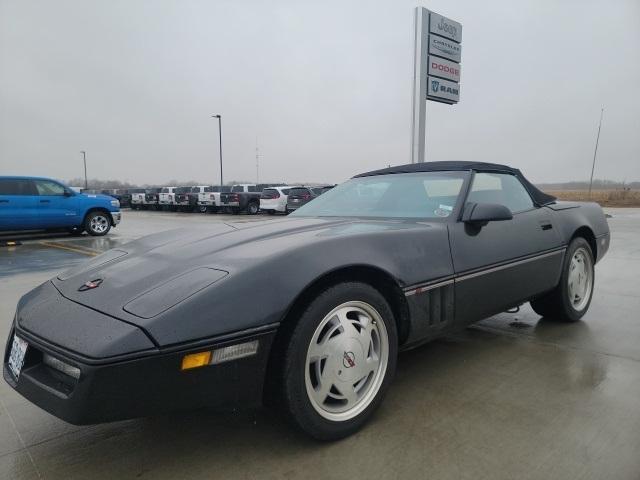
<point>436,70</point>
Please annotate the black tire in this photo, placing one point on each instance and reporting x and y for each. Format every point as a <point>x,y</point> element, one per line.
<point>295,400</point>
<point>253,208</point>
<point>98,223</point>
<point>556,304</point>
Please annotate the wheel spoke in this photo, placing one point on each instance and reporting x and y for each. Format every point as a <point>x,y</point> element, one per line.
<point>348,393</point>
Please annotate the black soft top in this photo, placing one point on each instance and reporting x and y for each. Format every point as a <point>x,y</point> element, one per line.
<point>539,197</point>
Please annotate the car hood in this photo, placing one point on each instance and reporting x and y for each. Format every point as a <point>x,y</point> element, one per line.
<point>98,196</point>
<point>143,281</point>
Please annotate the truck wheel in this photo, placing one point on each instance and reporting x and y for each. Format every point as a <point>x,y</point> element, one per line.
<point>570,300</point>
<point>253,208</point>
<point>338,361</point>
<point>97,223</point>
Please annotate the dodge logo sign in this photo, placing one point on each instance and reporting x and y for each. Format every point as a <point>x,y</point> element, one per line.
<point>439,67</point>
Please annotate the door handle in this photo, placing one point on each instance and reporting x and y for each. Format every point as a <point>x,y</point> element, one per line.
<point>546,225</point>
<point>45,201</point>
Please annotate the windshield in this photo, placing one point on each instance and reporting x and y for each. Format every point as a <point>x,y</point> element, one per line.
<point>182,190</point>
<point>400,195</point>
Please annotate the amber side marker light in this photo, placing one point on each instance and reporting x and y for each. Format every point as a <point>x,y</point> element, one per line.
<point>220,355</point>
<point>195,360</point>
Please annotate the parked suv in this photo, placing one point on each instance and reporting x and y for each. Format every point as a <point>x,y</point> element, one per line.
<point>299,196</point>
<point>34,203</point>
<point>274,199</point>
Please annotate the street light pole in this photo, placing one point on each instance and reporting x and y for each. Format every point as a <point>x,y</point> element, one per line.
<point>595,152</point>
<point>84,159</point>
<point>219,117</point>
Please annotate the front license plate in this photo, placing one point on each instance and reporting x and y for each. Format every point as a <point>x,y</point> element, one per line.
<point>16,358</point>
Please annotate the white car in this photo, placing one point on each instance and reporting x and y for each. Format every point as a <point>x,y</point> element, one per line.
<point>274,199</point>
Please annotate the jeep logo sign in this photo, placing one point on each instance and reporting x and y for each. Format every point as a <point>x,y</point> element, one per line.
<point>437,88</point>
<point>445,27</point>
<point>444,68</point>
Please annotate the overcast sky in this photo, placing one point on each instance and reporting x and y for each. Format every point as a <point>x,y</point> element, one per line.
<point>324,87</point>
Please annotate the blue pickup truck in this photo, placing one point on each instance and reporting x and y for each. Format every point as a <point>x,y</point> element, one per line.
<point>34,203</point>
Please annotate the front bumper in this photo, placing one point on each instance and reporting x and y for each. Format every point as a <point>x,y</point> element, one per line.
<point>116,217</point>
<point>137,387</point>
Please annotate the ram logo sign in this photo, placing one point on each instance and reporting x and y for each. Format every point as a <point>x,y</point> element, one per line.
<point>440,89</point>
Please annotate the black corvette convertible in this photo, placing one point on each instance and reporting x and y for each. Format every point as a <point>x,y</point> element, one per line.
<point>306,313</point>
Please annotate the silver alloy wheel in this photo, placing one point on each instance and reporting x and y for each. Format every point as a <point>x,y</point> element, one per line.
<point>346,361</point>
<point>580,279</point>
<point>99,224</point>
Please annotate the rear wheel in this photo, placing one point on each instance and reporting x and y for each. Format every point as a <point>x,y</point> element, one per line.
<point>339,361</point>
<point>570,300</point>
<point>97,223</point>
<point>253,208</point>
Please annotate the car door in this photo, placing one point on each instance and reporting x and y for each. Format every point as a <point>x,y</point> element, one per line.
<point>17,204</point>
<point>57,207</point>
<point>503,263</point>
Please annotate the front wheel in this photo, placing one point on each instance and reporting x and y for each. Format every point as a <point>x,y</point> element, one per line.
<point>570,300</point>
<point>339,361</point>
<point>97,224</point>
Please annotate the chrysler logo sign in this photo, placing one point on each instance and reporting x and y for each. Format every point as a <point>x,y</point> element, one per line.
<point>444,48</point>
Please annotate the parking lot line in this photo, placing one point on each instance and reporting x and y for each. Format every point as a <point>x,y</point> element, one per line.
<point>83,250</point>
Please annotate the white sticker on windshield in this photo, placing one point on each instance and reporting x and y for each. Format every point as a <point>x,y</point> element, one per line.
<point>443,211</point>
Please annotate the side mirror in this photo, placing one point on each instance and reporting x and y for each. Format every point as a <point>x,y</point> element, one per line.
<point>68,193</point>
<point>479,214</point>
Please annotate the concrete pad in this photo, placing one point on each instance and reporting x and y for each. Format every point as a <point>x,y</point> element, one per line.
<point>514,396</point>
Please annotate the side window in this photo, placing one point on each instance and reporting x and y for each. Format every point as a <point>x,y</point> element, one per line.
<point>46,187</point>
<point>500,188</point>
<point>253,188</point>
<point>10,186</point>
